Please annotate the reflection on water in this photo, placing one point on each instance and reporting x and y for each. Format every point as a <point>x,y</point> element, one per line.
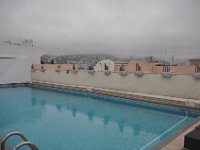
<point>90,115</point>
<point>106,120</point>
<point>58,106</point>
<point>43,103</point>
<point>33,100</point>
<point>74,111</point>
<point>136,129</point>
<point>121,125</point>
<point>120,115</point>
<point>40,100</point>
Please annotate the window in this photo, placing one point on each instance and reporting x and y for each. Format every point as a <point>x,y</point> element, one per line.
<point>106,67</point>
<point>166,68</point>
<point>138,68</point>
<point>197,68</point>
<point>122,68</point>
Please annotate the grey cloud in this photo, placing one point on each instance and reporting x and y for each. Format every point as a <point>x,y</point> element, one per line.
<point>120,27</point>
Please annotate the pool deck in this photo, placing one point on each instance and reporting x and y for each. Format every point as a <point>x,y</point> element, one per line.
<point>177,143</point>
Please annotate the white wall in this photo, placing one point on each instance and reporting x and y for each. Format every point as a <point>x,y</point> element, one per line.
<point>100,66</point>
<point>17,69</point>
<point>183,86</point>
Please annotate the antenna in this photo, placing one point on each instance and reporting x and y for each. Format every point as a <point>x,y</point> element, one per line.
<point>19,39</point>
<point>172,60</point>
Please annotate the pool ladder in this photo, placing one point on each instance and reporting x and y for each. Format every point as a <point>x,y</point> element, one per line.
<point>25,142</point>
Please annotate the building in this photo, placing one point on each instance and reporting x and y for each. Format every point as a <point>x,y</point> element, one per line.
<point>194,61</point>
<point>113,66</point>
<point>16,61</point>
<point>145,66</point>
<point>157,67</point>
<point>140,65</point>
<point>56,66</point>
<point>104,65</point>
<point>120,66</point>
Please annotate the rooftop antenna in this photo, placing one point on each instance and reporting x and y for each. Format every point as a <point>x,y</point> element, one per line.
<point>164,55</point>
<point>172,60</point>
<point>19,39</point>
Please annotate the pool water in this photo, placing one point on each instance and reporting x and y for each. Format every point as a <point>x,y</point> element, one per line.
<point>68,120</point>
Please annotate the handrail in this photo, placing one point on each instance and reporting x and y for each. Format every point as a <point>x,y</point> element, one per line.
<point>15,133</point>
<point>24,143</point>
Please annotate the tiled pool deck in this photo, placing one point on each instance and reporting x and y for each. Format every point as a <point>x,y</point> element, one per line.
<point>177,143</point>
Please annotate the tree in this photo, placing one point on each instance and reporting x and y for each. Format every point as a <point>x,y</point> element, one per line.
<point>90,68</point>
<point>52,61</point>
<point>42,61</point>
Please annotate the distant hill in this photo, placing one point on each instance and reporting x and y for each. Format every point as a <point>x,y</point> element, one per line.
<point>89,59</point>
<point>93,59</point>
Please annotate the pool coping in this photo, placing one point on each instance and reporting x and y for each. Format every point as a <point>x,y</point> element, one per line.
<point>165,100</point>
<point>173,142</point>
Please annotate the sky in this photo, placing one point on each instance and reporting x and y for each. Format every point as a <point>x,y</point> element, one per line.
<point>118,27</point>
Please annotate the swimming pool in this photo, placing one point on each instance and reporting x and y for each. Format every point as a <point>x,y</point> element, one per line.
<point>55,119</point>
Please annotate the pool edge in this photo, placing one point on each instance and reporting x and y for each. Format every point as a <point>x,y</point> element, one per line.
<point>176,140</point>
<point>121,94</point>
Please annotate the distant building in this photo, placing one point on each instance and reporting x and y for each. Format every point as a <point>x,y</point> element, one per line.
<point>84,66</point>
<point>157,67</point>
<point>194,61</point>
<point>140,65</point>
<point>52,59</point>
<point>120,66</point>
<point>104,65</point>
<point>55,66</point>
<point>149,65</point>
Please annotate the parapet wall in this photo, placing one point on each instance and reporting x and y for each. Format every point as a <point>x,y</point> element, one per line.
<point>15,69</point>
<point>182,86</point>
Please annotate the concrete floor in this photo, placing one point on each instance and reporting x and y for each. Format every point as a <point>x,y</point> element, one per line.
<point>178,142</point>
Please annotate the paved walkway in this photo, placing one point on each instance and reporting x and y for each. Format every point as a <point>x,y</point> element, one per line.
<point>178,142</point>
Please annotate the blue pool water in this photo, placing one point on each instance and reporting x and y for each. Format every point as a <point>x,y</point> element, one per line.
<point>67,120</point>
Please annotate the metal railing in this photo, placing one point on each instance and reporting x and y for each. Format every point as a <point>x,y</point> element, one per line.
<point>24,143</point>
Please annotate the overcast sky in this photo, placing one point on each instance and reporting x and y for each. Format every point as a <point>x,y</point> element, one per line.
<point>119,27</point>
